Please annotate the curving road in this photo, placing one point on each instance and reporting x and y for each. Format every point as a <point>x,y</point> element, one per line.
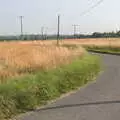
<point>98,101</point>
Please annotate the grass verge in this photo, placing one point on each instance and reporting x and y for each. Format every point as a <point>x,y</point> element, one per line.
<point>104,49</point>
<point>25,93</point>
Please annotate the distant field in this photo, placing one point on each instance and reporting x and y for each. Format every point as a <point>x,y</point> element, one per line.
<point>115,42</point>
<point>87,41</point>
<point>91,41</point>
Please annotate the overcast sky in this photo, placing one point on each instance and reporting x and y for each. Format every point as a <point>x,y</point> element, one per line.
<point>38,13</point>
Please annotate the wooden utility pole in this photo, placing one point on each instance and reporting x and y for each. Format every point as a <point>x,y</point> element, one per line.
<point>21,25</point>
<point>58,31</point>
<point>42,33</point>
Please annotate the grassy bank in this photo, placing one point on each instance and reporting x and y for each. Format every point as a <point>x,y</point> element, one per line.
<point>25,93</point>
<point>104,49</point>
<point>96,48</point>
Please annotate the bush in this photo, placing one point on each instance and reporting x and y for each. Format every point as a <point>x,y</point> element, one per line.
<point>27,92</point>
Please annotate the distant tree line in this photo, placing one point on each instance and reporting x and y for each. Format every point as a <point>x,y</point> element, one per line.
<point>53,37</point>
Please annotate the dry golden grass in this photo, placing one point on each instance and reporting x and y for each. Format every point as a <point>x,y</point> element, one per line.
<point>90,41</point>
<point>17,58</point>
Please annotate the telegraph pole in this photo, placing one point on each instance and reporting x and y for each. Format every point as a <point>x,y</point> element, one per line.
<point>42,32</point>
<point>58,31</point>
<point>75,29</point>
<point>21,25</point>
<point>46,33</point>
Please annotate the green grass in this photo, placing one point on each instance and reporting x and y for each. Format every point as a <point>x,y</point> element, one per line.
<point>25,93</point>
<point>104,49</point>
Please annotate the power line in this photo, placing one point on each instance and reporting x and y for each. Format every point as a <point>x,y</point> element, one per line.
<point>92,7</point>
<point>74,29</point>
<point>46,29</point>
<point>42,32</point>
<point>85,12</point>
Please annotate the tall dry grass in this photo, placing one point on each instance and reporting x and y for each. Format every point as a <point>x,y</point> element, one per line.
<point>17,58</point>
<point>20,58</point>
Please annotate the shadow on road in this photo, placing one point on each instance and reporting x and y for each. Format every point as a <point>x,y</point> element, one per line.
<point>82,104</point>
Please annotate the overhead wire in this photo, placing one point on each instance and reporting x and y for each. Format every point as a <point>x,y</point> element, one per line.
<point>92,7</point>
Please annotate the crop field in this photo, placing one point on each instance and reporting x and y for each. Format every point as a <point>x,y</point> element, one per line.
<point>18,58</point>
<point>88,41</point>
<point>114,42</point>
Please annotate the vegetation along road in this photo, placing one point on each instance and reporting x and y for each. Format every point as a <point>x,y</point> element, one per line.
<point>98,101</point>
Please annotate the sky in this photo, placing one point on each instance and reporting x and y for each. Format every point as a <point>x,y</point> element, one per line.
<point>38,13</point>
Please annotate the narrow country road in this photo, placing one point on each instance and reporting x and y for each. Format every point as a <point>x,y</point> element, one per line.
<point>98,101</point>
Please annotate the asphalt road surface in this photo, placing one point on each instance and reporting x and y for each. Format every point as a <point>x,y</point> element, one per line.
<point>99,100</point>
